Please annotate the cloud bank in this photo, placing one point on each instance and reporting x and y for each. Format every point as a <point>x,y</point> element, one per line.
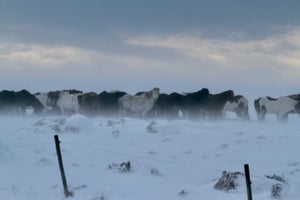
<point>193,61</point>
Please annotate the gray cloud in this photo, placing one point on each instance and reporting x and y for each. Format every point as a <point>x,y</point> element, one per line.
<point>135,45</point>
<point>196,62</point>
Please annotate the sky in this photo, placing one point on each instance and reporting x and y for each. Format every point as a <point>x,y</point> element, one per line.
<point>251,47</point>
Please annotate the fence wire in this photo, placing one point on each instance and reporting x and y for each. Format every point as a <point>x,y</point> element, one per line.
<point>135,156</point>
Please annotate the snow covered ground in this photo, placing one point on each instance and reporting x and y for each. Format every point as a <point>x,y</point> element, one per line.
<point>176,159</point>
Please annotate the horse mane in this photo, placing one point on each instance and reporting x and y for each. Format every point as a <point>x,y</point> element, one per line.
<point>295,97</point>
<point>23,92</point>
<point>237,98</point>
<point>225,93</point>
<point>228,94</point>
<point>271,98</point>
<point>92,93</point>
<point>139,93</point>
<point>204,91</point>
<point>73,91</point>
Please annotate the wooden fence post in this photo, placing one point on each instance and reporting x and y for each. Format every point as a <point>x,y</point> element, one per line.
<point>248,182</point>
<point>61,167</point>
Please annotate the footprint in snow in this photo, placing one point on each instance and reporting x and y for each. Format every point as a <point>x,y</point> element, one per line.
<point>293,164</point>
<point>224,146</point>
<point>116,133</point>
<point>44,161</point>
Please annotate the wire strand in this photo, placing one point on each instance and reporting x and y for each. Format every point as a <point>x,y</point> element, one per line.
<point>24,146</point>
<point>146,157</point>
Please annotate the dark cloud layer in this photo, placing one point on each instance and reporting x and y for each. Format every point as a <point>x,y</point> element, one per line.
<point>103,17</point>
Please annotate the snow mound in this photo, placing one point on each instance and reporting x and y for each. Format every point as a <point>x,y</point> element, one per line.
<point>78,123</point>
<point>5,152</point>
<point>64,124</point>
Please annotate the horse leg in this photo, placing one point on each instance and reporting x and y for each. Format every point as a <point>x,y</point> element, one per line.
<point>246,114</point>
<point>122,112</point>
<point>263,113</point>
<point>23,110</point>
<point>62,110</point>
<point>285,117</point>
<point>76,109</point>
<point>224,114</point>
<point>282,117</point>
<point>143,114</point>
<point>261,116</point>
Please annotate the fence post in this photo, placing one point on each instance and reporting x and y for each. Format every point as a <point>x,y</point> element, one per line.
<point>61,167</point>
<point>248,182</point>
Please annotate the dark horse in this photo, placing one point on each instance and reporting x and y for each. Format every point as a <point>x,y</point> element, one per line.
<point>195,105</point>
<point>19,101</point>
<point>214,107</point>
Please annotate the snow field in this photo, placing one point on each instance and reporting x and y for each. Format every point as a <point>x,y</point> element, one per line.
<point>175,159</point>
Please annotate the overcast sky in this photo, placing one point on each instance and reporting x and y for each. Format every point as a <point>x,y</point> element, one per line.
<point>252,47</point>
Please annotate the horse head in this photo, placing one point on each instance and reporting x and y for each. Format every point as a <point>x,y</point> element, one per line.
<point>297,108</point>
<point>152,94</point>
<point>155,93</point>
<point>52,98</point>
<point>229,94</point>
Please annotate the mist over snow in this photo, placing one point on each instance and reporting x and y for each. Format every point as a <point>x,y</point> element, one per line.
<point>169,159</point>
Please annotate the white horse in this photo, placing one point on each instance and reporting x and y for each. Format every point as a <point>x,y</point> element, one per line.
<point>281,106</point>
<point>138,104</point>
<point>43,97</point>
<point>64,100</point>
<point>239,106</point>
<point>68,102</point>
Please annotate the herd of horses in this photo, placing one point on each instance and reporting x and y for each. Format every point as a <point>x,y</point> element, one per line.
<point>149,104</point>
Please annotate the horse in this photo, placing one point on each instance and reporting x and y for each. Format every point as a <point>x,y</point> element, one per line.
<point>213,106</point>
<point>138,104</point>
<point>168,106</point>
<point>65,100</point>
<point>239,106</point>
<point>108,102</point>
<point>89,103</point>
<point>19,102</point>
<point>42,97</point>
<point>194,105</point>
<point>281,106</point>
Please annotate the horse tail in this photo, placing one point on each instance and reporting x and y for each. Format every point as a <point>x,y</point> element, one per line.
<point>257,106</point>
<point>120,105</point>
<point>247,116</point>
